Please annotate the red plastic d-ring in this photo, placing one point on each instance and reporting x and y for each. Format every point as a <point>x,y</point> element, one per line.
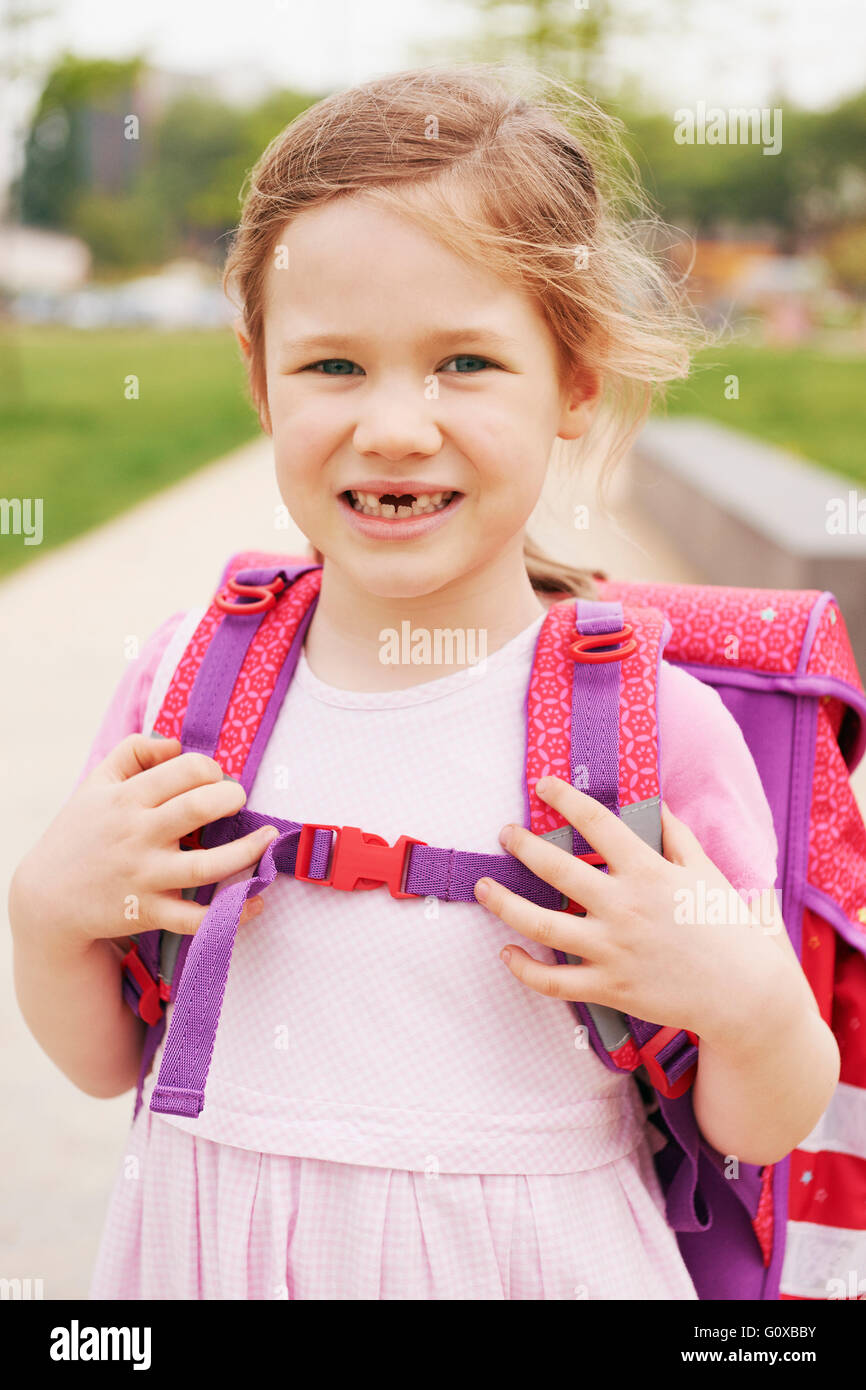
<point>265,596</point>
<point>581,649</point>
<point>648,1054</point>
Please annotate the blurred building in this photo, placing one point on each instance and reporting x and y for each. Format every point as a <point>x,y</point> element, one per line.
<point>183,294</point>
<point>35,259</point>
<point>790,295</point>
<point>112,165</point>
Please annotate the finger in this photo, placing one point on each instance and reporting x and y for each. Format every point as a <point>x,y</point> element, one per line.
<point>609,836</point>
<point>560,931</point>
<point>251,908</point>
<point>171,778</point>
<point>679,842</point>
<point>556,981</point>
<point>197,807</point>
<point>178,915</point>
<point>192,868</point>
<point>584,883</point>
<point>134,754</point>
<point>184,918</point>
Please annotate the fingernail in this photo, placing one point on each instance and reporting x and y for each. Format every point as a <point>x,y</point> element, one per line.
<point>482,888</point>
<point>506,835</point>
<point>505,954</point>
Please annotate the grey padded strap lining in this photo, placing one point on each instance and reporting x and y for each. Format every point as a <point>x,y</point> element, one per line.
<point>644,818</point>
<point>169,945</point>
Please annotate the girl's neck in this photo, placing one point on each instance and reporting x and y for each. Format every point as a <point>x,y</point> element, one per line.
<point>345,642</point>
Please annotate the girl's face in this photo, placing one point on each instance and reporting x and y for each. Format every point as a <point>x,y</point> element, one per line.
<point>393,369</point>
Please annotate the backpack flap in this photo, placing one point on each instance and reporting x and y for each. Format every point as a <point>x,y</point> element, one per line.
<point>782,663</point>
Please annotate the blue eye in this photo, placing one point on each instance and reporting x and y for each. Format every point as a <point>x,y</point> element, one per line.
<point>344,367</point>
<point>339,362</point>
<point>468,357</point>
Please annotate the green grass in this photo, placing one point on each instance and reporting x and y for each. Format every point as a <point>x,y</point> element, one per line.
<point>72,438</point>
<point>806,402</point>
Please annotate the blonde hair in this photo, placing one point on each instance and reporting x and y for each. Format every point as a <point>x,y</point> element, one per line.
<point>511,170</point>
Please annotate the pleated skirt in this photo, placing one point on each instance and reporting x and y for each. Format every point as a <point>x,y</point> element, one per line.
<point>189,1218</point>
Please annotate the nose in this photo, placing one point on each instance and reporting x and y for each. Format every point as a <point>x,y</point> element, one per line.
<point>396,423</point>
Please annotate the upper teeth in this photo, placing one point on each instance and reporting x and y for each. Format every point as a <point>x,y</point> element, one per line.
<point>369,503</point>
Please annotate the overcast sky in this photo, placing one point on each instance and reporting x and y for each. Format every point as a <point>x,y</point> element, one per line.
<point>731,54</point>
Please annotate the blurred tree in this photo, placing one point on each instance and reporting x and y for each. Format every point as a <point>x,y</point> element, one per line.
<point>197,140</point>
<point>178,189</point>
<point>816,182</point>
<point>845,127</point>
<point>221,143</point>
<point>18,18</point>
<point>58,156</point>
<point>574,38</point>
<point>818,178</point>
<point>124,233</point>
<point>175,190</point>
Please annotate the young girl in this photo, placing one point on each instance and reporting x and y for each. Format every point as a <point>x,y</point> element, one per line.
<point>435,287</point>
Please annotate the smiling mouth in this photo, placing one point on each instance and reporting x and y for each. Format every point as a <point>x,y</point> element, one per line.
<point>399,507</point>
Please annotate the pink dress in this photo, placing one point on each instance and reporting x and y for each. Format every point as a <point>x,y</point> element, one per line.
<point>389,1113</point>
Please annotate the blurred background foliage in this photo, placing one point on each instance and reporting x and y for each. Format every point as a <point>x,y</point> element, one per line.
<point>175,191</point>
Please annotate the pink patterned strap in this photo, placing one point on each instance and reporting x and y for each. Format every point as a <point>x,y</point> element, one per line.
<point>600,720</point>
<point>258,673</point>
<point>549,710</point>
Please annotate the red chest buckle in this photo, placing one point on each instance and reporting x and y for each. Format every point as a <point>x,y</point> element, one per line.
<point>360,860</point>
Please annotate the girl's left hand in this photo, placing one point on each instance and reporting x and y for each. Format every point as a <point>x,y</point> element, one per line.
<point>643,952</point>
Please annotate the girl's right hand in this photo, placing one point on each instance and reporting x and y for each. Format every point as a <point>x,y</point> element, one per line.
<point>110,863</point>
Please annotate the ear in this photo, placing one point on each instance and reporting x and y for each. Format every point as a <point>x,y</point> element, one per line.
<point>238,326</point>
<point>580,399</point>
<point>244,342</point>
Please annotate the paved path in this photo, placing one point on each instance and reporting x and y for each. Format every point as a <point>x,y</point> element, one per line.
<point>64,621</point>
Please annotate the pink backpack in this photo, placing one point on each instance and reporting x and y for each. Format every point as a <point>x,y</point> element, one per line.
<point>782,663</point>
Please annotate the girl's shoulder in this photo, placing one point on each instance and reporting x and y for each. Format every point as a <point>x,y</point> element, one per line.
<point>709,779</point>
<point>128,709</point>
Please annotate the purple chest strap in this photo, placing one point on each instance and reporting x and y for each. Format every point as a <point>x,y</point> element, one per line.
<point>442,873</point>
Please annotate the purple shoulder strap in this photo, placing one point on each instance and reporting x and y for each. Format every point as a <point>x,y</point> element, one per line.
<point>209,698</point>
<point>594,762</point>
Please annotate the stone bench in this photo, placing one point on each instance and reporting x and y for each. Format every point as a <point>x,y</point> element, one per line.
<point>749,514</point>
